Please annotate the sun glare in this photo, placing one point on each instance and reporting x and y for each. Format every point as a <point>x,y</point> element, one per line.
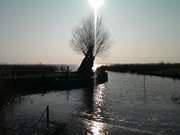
<point>96,4</point>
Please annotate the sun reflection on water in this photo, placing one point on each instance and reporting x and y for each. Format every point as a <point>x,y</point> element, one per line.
<point>99,98</point>
<point>96,128</point>
<point>96,125</point>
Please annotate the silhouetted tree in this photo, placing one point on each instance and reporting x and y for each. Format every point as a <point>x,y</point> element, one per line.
<point>85,42</point>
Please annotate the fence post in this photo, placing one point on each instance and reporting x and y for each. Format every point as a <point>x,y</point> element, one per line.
<point>68,71</point>
<point>47,115</point>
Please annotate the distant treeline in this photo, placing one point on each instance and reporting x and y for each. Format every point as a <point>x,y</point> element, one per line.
<point>21,70</point>
<point>160,69</point>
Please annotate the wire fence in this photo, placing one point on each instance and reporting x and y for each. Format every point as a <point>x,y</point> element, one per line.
<point>42,126</point>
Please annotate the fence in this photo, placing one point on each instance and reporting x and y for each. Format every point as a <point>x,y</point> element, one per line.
<point>42,126</point>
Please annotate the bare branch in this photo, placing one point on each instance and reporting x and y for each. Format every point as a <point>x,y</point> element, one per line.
<point>83,37</point>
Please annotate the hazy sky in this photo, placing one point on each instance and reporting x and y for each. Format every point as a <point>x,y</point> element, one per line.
<point>39,31</point>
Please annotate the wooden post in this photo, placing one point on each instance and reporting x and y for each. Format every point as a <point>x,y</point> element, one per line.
<point>68,71</point>
<point>47,115</point>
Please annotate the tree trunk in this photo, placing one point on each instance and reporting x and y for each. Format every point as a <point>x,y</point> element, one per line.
<point>85,69</point>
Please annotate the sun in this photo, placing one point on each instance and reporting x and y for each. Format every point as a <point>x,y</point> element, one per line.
<point>96,4</point>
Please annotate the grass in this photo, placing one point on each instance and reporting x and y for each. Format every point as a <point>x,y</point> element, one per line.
<point>159,69</point>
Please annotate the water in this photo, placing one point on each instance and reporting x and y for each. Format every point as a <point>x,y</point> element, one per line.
<point>127,104</point>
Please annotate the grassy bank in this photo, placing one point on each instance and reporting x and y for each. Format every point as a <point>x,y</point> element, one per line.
<point>160,69</point>
<point>43,78</point>
<point>30,70</point>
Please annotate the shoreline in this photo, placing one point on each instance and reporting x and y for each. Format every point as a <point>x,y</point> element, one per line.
<point>160,70</point>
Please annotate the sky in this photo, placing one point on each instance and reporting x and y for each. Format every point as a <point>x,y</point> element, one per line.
<point>39,31</point>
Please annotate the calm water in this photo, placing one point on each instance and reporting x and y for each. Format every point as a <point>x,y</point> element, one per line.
<point>126,104</point>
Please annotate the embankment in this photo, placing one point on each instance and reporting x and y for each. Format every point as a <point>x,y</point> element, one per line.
<point>160,69</point>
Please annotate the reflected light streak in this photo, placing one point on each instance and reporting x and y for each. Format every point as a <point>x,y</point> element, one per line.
<point>96,5</point>
<point>99,98</point>
<point>96,128</point>
<point>96,125</point>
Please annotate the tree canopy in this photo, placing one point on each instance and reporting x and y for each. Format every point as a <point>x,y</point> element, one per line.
<point>84,40</point>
